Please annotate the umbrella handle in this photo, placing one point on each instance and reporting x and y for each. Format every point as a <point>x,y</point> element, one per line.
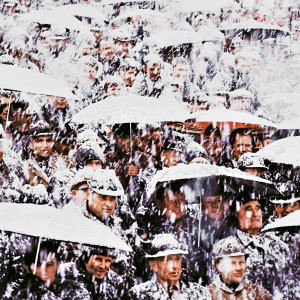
<point>6,123</point>
<point>37,255</point>
<point>130,140</point>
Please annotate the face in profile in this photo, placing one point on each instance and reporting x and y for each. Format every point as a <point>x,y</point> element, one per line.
<point>285,209</point>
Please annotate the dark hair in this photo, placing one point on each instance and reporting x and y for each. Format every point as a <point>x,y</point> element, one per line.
<point>93,250</point>
<point>240,131</point>
<point>123,130</point>
<point>175,186</point>
<point>46,247</point>
<point>212,129</point>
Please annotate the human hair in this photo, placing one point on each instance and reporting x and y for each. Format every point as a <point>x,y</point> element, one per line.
<point>175,186</point>
<point>212,129</point>
<point>240,131</point>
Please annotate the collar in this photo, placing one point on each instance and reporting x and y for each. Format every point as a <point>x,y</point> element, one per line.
<point>246,238</point>
<point>222,285</point>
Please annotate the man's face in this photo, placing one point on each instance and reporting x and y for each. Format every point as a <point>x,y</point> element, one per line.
<point>242,144</point>
<point>213,146</point>
<point>255,171</point>
<point>106,50</point>
<point>42,146</point>
<point>81,194</point>
<point>86,48</point>
<point>232,268</point>
<point>214,207</point>
<point>90,71</point>
<point>102,206</point>
<point>283,210</point>
<point>129,76</point>
<point>59,102</point>
<point>95,164</point>
<point>47,269</point>
<point>113,90</point>
<point>153,71</point>
<point>168,268</point>
<point>151,143</point>
<point>21,120</point>
<point>181,71</point>
<point>173,204</point>
<point>123,144</point>
<point>98,265</point>
<point>250,217</point>
<point>123,48</point>
<point>171,158</point>
<point>4,112</point>
<point>240,104</point>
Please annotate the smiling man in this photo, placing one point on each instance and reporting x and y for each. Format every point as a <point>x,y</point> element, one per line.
<point>230,261</point>
<point>165,261</point>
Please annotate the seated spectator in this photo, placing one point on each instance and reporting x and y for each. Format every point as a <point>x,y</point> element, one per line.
<point>165,261</point>
<point>230,260</point>
<point>93,271</point>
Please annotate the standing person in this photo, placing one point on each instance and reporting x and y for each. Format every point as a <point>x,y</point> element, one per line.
<point>230,260</point>
<point>166,283</point>
<point>93,271</point>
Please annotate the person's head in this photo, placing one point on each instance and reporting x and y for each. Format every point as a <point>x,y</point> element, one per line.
<point>113,86</point>
<point>152,66</point>
<point>79,186</point>
<point>106,49</point>
<point>128,71</point>
<point>181,69</point>
<point>198,102</point>
<point>6,99</point>
<point>105,189</point>
<point>123,47</point>
<point>98,261</point>
<point>230,260</point>
<point>20,116</point>
<point>125,136</point>
<point>213,207</point>
<point>47,263</point>
<point>89,154</point>
<point>241,141</point>
<point>58,102</point>
<point>41,142</point>
<point>170,200</point>
<point>151,140</point>
<point>90,67</point>
<point>253,164</point>
<point>241,100</point>
<point>285,207</point>
<point>173,147</point>
<point>212,142</point>
<point>165,258</point>
<point>85,43</point>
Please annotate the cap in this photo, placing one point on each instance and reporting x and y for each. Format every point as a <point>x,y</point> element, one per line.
<point>251,160</point>
<point>165,244</point>
<point>105,182</point>
<point>82,176</point>
<point>40,128</point>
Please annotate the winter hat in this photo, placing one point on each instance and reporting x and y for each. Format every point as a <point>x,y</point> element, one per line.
<point>251,160</point>
<point>241,93</point>
<point>165,244</point>
<point>106,182</point>
<point>86,152</point>
<point>87,135</point>
<point>228,247</point>
<point>176,143</point>
<point>40,128</point>
<point>88,251</point>
<point>82,176</point>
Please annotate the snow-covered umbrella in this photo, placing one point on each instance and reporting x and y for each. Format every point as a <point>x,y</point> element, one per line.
<point>24,80</point>
<point>292,219</point>
<point>131,109</point>
<point>284,151</point>
<point>202,178</point>
<point>47,222</point>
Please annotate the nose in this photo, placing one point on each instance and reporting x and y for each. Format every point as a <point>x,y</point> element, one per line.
<point>101,264</point>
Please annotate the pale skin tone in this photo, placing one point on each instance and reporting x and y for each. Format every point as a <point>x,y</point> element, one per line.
<point>98,265</point>
<point>250,217</point>
<point>242,144</point>
<point>103,206</point>
<point>168,269</point>
<point>42,146</point>
<point>153,71</point>
<point>214,207</point>
<point>170,158</point>
<point>80,195</point>
<point>95,164</point>
<point>232,268</point>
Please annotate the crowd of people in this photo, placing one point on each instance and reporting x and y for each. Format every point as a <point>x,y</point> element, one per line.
<point>188,242</point>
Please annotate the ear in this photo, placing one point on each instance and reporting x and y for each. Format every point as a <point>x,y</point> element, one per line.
<point>153,265</point>
<point>219,267</point>
<point>31,146</point>
<point>73,193</point>
<point>158,203</point>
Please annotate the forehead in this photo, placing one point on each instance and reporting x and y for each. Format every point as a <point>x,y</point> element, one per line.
<point>153,65</point>
<point>234,258</point>
<point>213,198</point>
<point>241,137</point>
<point>253,203</point>
<point>43,138</point>
<point>98,257</point>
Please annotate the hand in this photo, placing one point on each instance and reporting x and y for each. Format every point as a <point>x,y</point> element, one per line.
<point>132,170</point>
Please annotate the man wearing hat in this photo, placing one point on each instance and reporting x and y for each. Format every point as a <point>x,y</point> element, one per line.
<point>43,161</point>
<point>230,261</point>
<point>165,261</point>
<point>93,271</point>
<point>241,100</point>
<point>128,71</point>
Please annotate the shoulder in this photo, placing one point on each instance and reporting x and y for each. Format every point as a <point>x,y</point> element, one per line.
<point>196,291</point>
<point>259,291</point>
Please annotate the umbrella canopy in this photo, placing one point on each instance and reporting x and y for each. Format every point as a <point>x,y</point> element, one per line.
<point>81,11</point>
<point>25,80</point>
<point>53,17</point>
<point>48,222</point>
<point>131,109</point>
<point>290,124</point>
<point>203,179</point>
<point>284,151</point>
<point>292,219</point>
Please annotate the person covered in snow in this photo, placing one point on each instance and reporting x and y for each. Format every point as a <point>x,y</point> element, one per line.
<point>129,70</point>
<point>150,83</point>
<point>229,257</point>
<point>41,279</point>
<point>165,258</point>
<point>93,270</point>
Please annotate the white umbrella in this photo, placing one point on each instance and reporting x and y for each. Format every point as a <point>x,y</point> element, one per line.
<point>228,115</point>
<point>285,151</point>
<point>53,17</point>
<point>26,80</point>
<point>131,109</point>
<point>203,176</point>
<point>81,11</point>
<point>290,124</point>
<point>292,219</point>
<point>48,222</point>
